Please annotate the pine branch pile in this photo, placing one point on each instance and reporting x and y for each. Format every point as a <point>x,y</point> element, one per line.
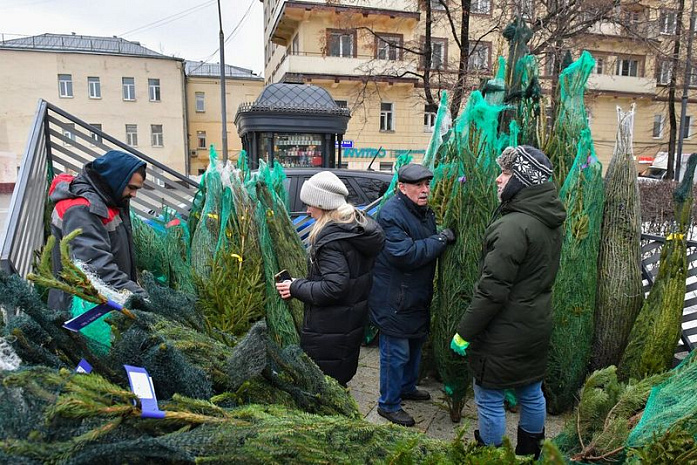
<point>573,298</point>
<point>83,419</point>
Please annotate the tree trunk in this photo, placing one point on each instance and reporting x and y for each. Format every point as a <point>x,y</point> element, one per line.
<point>459,88</point>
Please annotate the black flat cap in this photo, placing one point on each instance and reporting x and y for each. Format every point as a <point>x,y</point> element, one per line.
<point>413,173</point>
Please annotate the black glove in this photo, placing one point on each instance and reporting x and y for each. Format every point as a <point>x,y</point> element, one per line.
<point>448,235</point>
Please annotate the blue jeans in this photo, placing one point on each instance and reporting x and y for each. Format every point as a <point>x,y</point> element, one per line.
<point>399,369</point>
<point>492,416</point>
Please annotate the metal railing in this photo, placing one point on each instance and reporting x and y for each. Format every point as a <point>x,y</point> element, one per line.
<point>62,143</point>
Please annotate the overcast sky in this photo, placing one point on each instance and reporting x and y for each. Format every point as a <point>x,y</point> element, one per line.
<point>184,28</point>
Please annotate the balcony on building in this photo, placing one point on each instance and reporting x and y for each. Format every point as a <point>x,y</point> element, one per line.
<point>621,84</point>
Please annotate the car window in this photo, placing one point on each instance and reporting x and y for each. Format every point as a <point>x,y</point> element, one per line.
<point>372,188</point>
<point>354,198</point>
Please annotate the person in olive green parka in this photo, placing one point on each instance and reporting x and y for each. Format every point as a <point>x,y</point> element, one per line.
<point>509,321</point>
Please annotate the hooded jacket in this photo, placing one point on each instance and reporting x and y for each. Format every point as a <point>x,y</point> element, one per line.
<point>509,320</point>
<point>403,277</point>
<point>89,202</point>
<point>335,294</point>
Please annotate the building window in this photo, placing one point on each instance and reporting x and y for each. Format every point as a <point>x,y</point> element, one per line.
<point>156,139</point>
<point>386,116</point>
<point>201,139</point>
<point>429,119</point>
<point>154,90</point>
<point>132,135</point>
<point>657,126</point>
<point>439,53</point>
<point>627,67</point>
<point>341,43</point>
<point>129,88</point>
<point>65,85</point>
<point>69,133</point>
<point>342,103</point>
<point>693,77</point>
<point>200,102</point>
<point>550,63</point>
<point>438,4</point>
<point>687,129</point>
<point>479,56</point>
<point>480,7</point>
<point>526,8</point>
<point>668,22</point>
<point>94,88</point>
<point>386,166</point>
<point>664,71</point>
<point>599,65</point>
<point>388,47</point>
<point>96,138</point>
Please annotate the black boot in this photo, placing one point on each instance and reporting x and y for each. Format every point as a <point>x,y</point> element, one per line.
<point>529,443</point>
<point>478,438</point>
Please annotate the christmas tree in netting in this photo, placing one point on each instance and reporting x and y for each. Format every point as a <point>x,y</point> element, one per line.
<point>573,298</point>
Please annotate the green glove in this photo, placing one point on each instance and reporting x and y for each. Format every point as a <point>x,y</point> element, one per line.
<point>459,345</point>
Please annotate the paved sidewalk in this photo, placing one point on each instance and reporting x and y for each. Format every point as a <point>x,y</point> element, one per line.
<point>432,417</point>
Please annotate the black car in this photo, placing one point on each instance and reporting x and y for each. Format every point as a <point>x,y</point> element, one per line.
<point>364,186</point>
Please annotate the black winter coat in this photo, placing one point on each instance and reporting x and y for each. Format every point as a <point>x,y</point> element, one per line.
<point>509,320</point>
<point>336,295</point>
<point>403,276</point>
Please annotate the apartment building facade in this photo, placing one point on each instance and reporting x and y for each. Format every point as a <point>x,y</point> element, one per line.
<point>361,52</point>
<point>204,108</point>
<point>141,97</point>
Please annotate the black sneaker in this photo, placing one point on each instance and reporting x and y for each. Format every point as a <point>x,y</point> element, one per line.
<point>416,394</point>
<point>400,417</point>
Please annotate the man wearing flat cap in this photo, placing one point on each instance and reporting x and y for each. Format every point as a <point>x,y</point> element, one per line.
<point>402,289</point>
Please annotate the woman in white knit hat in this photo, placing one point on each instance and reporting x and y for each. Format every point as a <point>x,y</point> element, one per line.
<point>343,245</point>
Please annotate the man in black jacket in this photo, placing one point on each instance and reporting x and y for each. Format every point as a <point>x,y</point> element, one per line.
<point>403,288</point>
<point>509,320</point>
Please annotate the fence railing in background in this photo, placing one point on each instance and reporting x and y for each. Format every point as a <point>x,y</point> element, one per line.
<point>651,255</point>
<point>62,143</point>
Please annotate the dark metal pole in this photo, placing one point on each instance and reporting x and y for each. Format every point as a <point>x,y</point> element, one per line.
<point>222,83</point>
<point>685,84</point>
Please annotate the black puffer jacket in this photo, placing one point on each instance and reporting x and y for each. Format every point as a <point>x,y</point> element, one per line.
<point>336,295</point>
<point>509,320</point>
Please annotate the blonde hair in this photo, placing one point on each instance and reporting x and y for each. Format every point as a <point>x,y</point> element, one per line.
<point>346,213</point>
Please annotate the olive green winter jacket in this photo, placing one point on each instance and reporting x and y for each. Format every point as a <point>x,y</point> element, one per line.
<point>509,320</point>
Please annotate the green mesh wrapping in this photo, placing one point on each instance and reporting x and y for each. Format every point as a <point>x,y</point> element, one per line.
<point>204,238</point>
<point>495,89</point>
<point>656,332</point>
<point>98,333</point>
<point>573,298</point>
<point>463,197</point>
<point>440,127</point>
<point>671,404</point>
<point>620,289</point>
<point>570,118</point>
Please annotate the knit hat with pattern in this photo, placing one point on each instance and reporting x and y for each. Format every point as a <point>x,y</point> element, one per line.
<point>324,190</point>
<point>529,166</point>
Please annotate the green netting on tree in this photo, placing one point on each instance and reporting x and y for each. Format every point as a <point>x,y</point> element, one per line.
<point>671,404</point>
<point>573,298</point>
<point>570,118</point>
<point>204,238</point>
<point>620,290</point>
<point>98,333</point>
<point>656,332</point>
<point>495,89</point>
<point>440,127</point>
<point>528,116</point>
<point>463,196</point>
<point>606,413</point>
